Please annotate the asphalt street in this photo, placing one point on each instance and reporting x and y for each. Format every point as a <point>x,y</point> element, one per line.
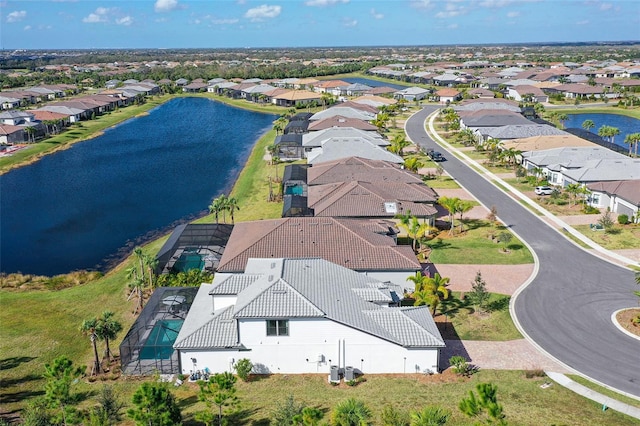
<point>567,308</point>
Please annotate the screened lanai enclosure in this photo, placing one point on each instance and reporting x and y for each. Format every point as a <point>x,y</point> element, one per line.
<point>194,246</point>
<point>148,346</point>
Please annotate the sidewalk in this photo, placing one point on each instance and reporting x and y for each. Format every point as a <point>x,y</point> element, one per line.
<point>606,401</point>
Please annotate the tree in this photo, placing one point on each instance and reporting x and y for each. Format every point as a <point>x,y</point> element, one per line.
<point>632,139</point>
<point>462,207</point>
<point>486,401</point>
<point>429,290</point>
<point>88,328</point>
<point>398,143</point>
<point>430,416</point>
<point>107,329</point>
<point>154,405</point>
<point>243,368</point>
<point>36,413</point>
<point>573,189</point>
<point>60,375</point>
<point>415,230</point>
<point>588,125</point>
<point>286,411</point>
<point>109,410</point>
<point>232,206</point>
<point>413,163</point>
<point>451,205</point>
<point>350,412</point>
<point>136,274</point>
<point>479,294</point>
<point>217,205</point>
<point>613,133</point>
<point>606,221</point>
<point>505,238</point>
<point>30,131</point>
<point>562,118</point>
<point>219,392</point>
<point>279,125</point>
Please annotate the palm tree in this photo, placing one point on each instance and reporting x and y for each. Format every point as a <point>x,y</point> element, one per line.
<point>350,412</point>
<point>216,206</point>
<point>415,230</point>
<point>573,189</point>
<point>562,117</point>
<point>150,263</point>
<point>279,125</point>
<point>538,172</point>
<point>632,139</point>
<point>88,328</point>
<point>232,206</point>
<point>462,207</point>
<point>613,133</point>
<point>413,164</point>
<point>326,98</point>
<point>30,131</point>
<point>588,125</point>
<point>430,290</point>
<point>398,143</point>
<point>451,205</point>
<point>107,329</point>
<point>430,416</point>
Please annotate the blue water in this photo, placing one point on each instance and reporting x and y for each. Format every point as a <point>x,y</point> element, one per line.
<point>159,344</point>
<point>75,208</point>
<point>627,125</point>
<point>373,83</point>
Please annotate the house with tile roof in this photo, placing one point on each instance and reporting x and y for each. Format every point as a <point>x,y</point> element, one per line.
<point>340,121</point>
<point>412,94</point>
<point>306,315</point>
<point>364,245</point>
<point>359,169</point>
<point>619,196</point>
<point>448,95</point>
<point>349,112</point>
<point>360,199</point>
<point>336,148</point>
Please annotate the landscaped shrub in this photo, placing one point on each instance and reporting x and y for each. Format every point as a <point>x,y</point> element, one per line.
<point>243,368</point>
<point>590,210</point>
<point>530,374</point>
<point>623,219</point>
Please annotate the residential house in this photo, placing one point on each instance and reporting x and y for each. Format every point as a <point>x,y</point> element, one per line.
<point>524,91</point>
<point>374,101</point>
<point>359,169</point>
<point>294,98</point>
<point>447,96</point>
<point>339,121</point>
<point>294,316</point>
<point>10,134</point>
<point>348,112</point>
<point>315,139</point>
<point>363,245</point>
<point>342,147</point>
<point>412,94</point>
<point>620,197</point>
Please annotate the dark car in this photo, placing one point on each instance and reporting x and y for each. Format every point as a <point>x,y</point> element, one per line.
<point>435,155</point>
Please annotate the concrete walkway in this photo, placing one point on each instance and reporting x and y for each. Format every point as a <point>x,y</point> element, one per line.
<point>614,404</point>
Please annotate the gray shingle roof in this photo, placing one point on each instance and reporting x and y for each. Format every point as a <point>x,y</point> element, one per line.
<point>337,148</point>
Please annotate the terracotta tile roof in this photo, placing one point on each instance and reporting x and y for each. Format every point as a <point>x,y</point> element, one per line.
<point>628,190</point>
<point>447,92</point>
<point>358,169</point>
<point>356,243</point>
<point>340,121</point>
<point>295,95</point>
<point>366,199</point>
<point>41,115</point>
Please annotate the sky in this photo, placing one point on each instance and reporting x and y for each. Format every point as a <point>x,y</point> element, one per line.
<point>87,24</point>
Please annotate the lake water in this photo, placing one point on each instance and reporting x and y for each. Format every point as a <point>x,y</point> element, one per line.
<point>627,125</point>
<point>78,207</point>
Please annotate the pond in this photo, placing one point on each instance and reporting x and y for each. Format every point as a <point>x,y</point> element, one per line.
<point>627,125</point>
<point>82,207</point>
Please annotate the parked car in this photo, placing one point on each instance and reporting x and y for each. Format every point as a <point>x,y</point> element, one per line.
<point>435,155</point>
<point>544,190</point>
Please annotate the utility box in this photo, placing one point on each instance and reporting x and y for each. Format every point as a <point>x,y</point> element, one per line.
<point>334,375</point>
<point>349,374</point>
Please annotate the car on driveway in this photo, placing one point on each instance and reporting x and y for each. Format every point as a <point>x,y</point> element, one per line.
<point>544,190</point>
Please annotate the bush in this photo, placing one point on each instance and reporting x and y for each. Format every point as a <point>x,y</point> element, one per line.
<point>590,210</point>
<point>461,367</point>
<point>530,374</point>
<point>623,219</point>
<point>243,367</point>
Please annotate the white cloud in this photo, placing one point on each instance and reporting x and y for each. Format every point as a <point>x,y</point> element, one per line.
<point>100,15</point>
<point>17,16</point>
<point>584,22</point>
<point>263,12</point>
<point>452,27</point>
<point>126,21</point>
<point>422,4</point>
<point>350,23</point>
<point>606,6</point>
<point>27,27</point>
<point>323,3</point>
<point>495,3</point>
<point>228,21</point>
<point>451,10</point>
<point>376,15</point>
<point>513,14</point>
<point>165,5</point>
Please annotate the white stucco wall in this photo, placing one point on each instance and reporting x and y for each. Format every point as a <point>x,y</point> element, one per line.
<point>313,345</point>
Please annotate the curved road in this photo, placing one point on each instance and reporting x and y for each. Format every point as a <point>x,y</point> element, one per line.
<point>567,307</point>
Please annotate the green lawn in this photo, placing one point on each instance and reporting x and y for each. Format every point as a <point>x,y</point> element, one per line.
<point>442,182</point>
<point>475,246</point>
<point>622,237</point>
<point>604,391</point>
<point>465,322</point>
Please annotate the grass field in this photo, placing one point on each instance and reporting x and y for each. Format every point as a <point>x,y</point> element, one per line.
<point>475,247</point>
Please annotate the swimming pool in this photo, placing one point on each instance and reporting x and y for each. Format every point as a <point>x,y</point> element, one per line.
<point>159,344</point>
<point>294,190</point>
<point>188,260</point>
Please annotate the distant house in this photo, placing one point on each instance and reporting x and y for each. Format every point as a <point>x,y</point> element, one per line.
<point>336,148</point>
<point>11,134</point>
<point>306,316</point>
<point>448,95</point>
<point>412,94</point>
<point>348,112</point>
<point>180,82</point>
<point>621,197</point>
<point>195,87</point>
<point>535,93</point>
<point>339,121</point>
<point>296,97</point>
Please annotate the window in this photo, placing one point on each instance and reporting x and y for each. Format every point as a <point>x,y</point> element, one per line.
<point>277,327</point>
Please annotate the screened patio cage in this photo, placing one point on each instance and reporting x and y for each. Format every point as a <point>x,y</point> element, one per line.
<point>148,346</point>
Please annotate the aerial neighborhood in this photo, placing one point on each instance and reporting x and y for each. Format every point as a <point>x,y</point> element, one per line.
<point>345,279</point>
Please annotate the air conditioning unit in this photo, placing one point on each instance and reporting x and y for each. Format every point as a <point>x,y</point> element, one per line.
<point>349,374</point>
<point>334,375</point>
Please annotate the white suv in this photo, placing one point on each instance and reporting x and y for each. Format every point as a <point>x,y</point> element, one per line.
<point>544,190</point>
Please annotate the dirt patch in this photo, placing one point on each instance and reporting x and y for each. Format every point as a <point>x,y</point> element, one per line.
<point>624,319</point>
